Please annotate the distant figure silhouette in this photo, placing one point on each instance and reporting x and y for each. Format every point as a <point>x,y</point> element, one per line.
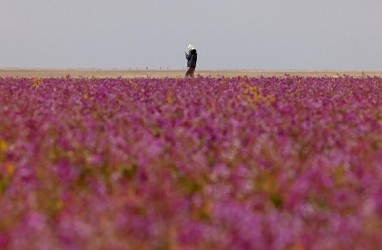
<point>191,57</point>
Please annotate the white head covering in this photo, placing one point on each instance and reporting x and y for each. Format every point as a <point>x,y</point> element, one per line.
<point>190,47</point>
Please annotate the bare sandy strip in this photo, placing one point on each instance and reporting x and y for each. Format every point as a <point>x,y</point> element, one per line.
<point>101,73</point>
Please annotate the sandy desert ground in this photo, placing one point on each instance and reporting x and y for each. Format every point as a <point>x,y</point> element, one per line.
<point>100,73</point>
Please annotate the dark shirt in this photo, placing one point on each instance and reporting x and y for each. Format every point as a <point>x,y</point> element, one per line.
<point>192,57</point>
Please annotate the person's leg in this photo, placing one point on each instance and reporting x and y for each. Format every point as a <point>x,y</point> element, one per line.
<point>188,72</point>
<point>192,72</point>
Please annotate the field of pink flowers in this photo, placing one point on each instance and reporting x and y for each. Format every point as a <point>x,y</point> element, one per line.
<point>206,163</point>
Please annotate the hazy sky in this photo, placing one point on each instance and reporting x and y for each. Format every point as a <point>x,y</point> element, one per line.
<point>228,34</point>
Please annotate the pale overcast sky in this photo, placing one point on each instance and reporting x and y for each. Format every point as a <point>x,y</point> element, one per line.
<point>228,34</point>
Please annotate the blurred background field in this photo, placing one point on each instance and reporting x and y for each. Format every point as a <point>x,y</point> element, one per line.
<point>104,73</point>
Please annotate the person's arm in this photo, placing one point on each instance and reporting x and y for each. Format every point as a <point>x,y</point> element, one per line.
<point>188,56</point>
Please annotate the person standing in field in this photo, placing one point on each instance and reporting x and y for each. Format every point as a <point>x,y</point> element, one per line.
<point>191,57</point>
